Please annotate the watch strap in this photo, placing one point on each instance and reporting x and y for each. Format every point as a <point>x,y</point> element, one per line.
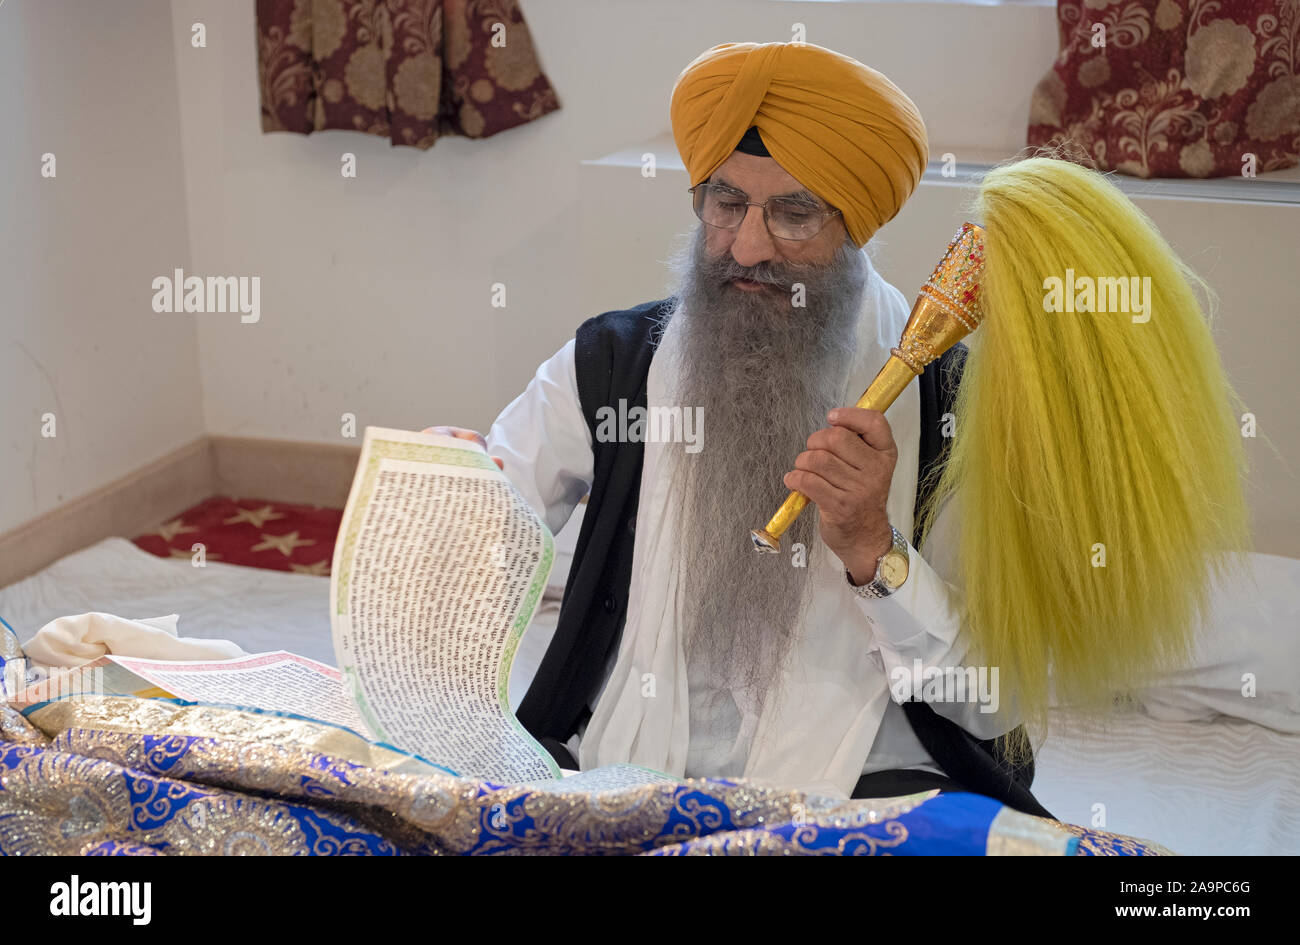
<point>876,588</point>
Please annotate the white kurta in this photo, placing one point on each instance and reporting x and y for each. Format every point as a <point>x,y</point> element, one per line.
<point>834,718</point>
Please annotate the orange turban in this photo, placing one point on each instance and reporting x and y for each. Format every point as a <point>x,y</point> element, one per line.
<point>841,129</point>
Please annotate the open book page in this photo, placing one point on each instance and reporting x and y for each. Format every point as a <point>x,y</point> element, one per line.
<point>438,569</point>
<point>99,677</point>
<point>273,682</point>
<point>606,778</point>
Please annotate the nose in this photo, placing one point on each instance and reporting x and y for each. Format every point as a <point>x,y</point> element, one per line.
<point>753,244</point>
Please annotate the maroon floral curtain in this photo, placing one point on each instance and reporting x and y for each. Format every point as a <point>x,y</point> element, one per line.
<point>409,70</point>
<point>1181,88</point>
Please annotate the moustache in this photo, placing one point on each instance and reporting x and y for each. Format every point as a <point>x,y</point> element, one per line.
<point>725,268</point>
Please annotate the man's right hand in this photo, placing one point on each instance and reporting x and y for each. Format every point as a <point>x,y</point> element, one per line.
<point>463,434</point>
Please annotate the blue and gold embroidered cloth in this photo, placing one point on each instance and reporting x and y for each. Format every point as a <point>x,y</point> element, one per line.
<point>129,776</point>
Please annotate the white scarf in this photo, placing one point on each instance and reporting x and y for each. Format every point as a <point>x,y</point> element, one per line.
<point>816,732</point>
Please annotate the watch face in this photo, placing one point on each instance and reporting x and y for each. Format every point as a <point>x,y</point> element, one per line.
<point>893,569</point>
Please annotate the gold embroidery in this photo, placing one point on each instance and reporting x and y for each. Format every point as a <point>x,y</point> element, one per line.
<point>55,804</point>
<point>1101,843</point>
<point>233,826</point>
<point>100,785</point>
<point>15,728</point>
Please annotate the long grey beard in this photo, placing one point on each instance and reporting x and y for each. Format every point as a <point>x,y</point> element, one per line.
<point>765,373</point>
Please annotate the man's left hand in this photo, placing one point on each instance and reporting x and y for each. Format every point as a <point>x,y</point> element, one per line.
<point>846,471</point>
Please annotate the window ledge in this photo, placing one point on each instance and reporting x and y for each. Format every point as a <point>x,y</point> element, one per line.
<point>965,3</point>
<point>1275,187</point>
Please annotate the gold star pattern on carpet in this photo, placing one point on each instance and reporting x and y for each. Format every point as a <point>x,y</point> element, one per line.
<point>255,517</point>
<point>321,568</point>
<point>285,544</point>
<point>170,530</point>
<point>248,531</point>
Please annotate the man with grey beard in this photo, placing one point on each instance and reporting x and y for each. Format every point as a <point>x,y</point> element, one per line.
<point>767,339</point>
<point>678,647</point>
<point>763,373</point>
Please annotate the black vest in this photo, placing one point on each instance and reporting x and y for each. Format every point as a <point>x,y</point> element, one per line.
<point>613,354</point>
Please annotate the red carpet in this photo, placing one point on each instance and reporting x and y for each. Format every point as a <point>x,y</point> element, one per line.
<point>251,532</point>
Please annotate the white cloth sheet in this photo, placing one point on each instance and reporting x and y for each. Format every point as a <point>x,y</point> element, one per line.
<point>80,638</point>
<point>1217,787</point>
<point>257,609</point>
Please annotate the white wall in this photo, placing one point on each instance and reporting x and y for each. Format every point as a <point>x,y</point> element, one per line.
<point>93,84</point>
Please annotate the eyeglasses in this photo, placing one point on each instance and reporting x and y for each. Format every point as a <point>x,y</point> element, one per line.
<point>787,218</point>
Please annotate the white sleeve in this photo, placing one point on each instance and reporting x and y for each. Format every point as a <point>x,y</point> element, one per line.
<point>544,442</point>
<point>922,620</point>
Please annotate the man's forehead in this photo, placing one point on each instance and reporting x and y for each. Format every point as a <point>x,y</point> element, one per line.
<point>757,176</point>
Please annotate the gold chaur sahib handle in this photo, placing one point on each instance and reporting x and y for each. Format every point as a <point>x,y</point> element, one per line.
<point>947,309</point>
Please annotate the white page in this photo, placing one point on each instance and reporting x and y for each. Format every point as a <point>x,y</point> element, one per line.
<point>607,778</point>
<point>276,682</point>
<point>438,569</point>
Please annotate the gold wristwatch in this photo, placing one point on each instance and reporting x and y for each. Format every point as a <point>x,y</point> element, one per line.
<point>891,571</point>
